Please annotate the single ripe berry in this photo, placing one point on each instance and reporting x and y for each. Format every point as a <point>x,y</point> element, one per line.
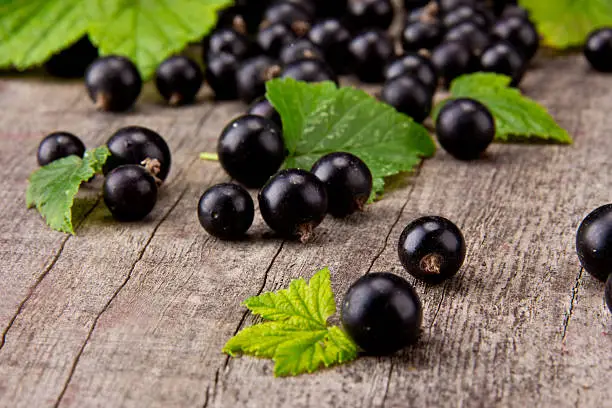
<point>58,145</point>
<point>242,18</point>
<point>469,33</point>
<point>226,211</point>
<point>520,33</point>
<point>230,41</point>
<point>178,80</point>
<point>409,96</point>
<point>293,203</point>
<point>332,38</point>
<point>598,49</point>
<point>370,52</point>
<point>263,107</point>
<point>298,50</point>
<point>286,12</point>
<point>415,65</point>
<point>382,313</point>
<point>431,249</point>
<point>594,242</point>
<point>73,61</point>
<point>274,37</point>
<point>309,70</point>
<point>134,144</point>
<point>515,11</point>
<point>130,192</point>
<point>252,75</point>
<point>221,75</point>
<point>465,128</point>
<point>446,6</point>
<point>420,35</point>
<point>113,83</point>
<point>502,58</point>
<point>308,6</point>
<point>251,149</point>
<point>452,59</point>
<point>465,13</point>
<point>348,181</point>
<point>362,14</point>
<point>608,293</point>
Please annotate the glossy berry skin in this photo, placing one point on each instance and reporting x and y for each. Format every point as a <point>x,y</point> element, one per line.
<point>608,293</point>
<point>226,211</point>
<point>332,38</point>
<point>594,242</point>
<point>230,41</point>
<point>286,13</point>
<point>133,144</point>
<point>502,58</point>
<point>263,107</point>
<point>370,51</point>
<point>73,61</point>
<point>130,192</point>
<point>348,181</point>
<point>363,14</point>
<point>382,313</point>
<point>409,96</point>
<point>420,35</point>
<point>465,128</point>
<point>178,80</point>
<point>446,6</point>
<point>251,149</point>
<point>221,75</point>
<point>598,49</point>
<point>416,66</point>
<point>309,70</point>
<point>520,33</point>
<point>431,249</point>
<point>300,49</point>
<point>452,59</point>
<point>293,203</point>
<point>58,145</point>
<point>309,6</point>
<point>515,11</point>
<point>113,83</point>
<point>465,13</point>
<point>274,37</point>
<point>468,32</point>
<point>252,75</point>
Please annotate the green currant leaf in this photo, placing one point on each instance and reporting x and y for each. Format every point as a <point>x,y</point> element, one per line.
<point>320,118</point>
<point>517,117</point>
<point>52,188</point>
<point>296,335</point>
<point>567,23</point>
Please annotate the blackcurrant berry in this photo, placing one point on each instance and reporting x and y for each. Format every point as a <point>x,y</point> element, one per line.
<point>598,49</point>
<point>333,40</point>
<point>298,50</point>
<point>58,145</point>
<point>415,65</point>
<point>446,6</point>
<point>221,75</point>
<point>420,35</point>
<point>362,14</point>
<point>308,6</point>
<point>293,203</point>
<point>230,41</point>
<point>113,83</point>
<point>263,107</point>
<point>594,242</point>
<point>452,59</point>
<point>309,70</point>
<point>226,211</point>
<point>252,75</point>
<point>608,293</point>
<point>130,192</point>
<point>465,13</point>
<point>431,249</point>
<point>515,11</point>
<point>243,19</point>
<point>370,52</point>
<point>134,144</point>
<point>520,33</point>
<point>178,80</point>
<point>382,313</point>
<point>348,181</point>
<point>465,128</point>
<point>502,58</point>
<point>73,61</point>
<point>274,37</point>
<point>251,149</point>
<point>285,12</point>
<point>468,32</point>
<point>409,96</point>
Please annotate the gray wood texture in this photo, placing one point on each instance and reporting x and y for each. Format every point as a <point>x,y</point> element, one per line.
<point>135,315</point>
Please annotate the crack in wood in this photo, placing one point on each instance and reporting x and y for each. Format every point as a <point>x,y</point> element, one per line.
<point>570,310</point>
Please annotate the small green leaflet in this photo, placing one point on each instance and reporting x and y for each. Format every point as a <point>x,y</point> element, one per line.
<point>320,118</point>
<point>146,31</point>
<point>517,117</point>
<point>52,188</point>
<point>567,23</point>
<point>295,334</point>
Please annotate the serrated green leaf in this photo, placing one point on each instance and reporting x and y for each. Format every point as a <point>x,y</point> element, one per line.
<point>567,23</point>
<point>517,117</point>
<point>52,188</point>
<point>320,118</point>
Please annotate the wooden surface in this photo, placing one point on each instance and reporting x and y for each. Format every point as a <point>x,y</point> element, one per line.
<point>135,315</point>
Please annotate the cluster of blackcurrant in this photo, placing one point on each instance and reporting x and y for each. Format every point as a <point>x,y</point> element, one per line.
<point>139,162</point>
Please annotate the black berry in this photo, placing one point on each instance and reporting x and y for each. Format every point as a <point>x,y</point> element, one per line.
<point>73,61</point>
<point>502,58</point>
<point>226,211</point>
<point>608,293</point>
<point>415,65</point>
<point>515,11</point>
<point>286,12</point>
<point>309,70</point>
<point>370,52</point>
<point>465,13</point>
<point>113,83</point>
<point>333,40</point>
<point>293,203</point>
<point>221,75</point>
<point>178,80</point>
<point>452,59</point>
<point>431,249</point>
<point>420,35</point>
<point>274,37</point>
<point>263,107</point>
<point>230,41</point>
<point>362,14</point>
<point>594,242</point>
<point>519,32</point>
<point>382,313</point>
<point>468,32</point>
<point>348,181</point>
<point>251,149</point>
<point>242,18</point>
<point>446,6</point>
<point>58,145</point>
<point>598,49</point>
<point>299,50</point>
<point>252,75</point>
<point>465,128</point>
<point>130,192</point>
<point>409,96</point>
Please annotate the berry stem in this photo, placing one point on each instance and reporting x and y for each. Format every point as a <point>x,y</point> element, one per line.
<point>153,166</point>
